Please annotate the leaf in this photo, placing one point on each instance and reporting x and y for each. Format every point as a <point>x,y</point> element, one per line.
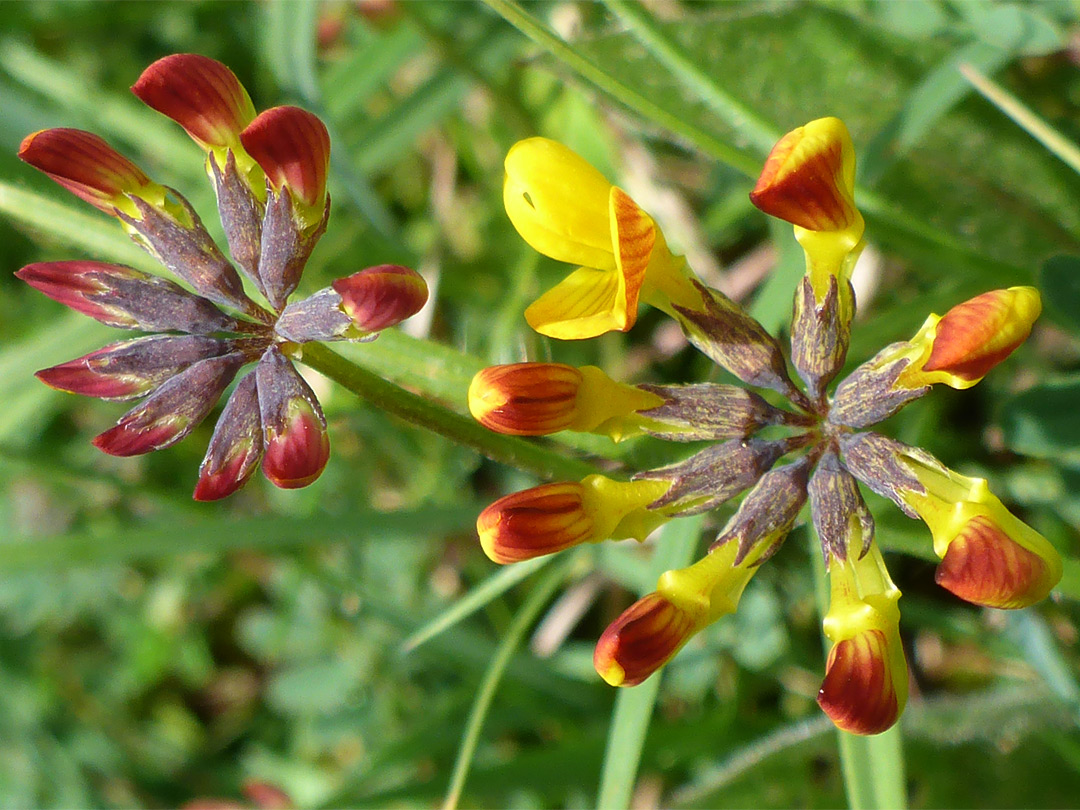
<point>1041,421</point>
<point>1060,282</point>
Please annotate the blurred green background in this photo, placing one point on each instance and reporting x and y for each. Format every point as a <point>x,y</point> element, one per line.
<point>330,642</point>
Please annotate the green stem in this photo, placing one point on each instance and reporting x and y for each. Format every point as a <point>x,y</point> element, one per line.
<point>634,705</point>
<point>523,620</point>
<point>434,417</point>
<point>872,767</point>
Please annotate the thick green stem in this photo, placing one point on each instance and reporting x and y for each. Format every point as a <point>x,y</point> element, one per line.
<point>424,413</point>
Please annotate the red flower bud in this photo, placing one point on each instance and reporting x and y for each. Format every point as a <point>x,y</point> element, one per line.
<point>85,165</point>
<point>535,522</point>
<point>859,693</point>
<point>173,410</point>
<point>642,640</point>
<point>381,296</point>
<point>127,298</point>
<point>236,446</point>
<point>296,443</point>
<point>526,399</point>
<point>200,94</point>
<point>293,148</point>
<point>132,368</point>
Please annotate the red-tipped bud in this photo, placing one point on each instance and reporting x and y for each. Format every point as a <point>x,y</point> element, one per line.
<point>642,640</point>
<point>173,410</point>
<point>85,165</point>
<point>296,443</point>
<point>236,446</point>
<point>200,94</point>
<point>127,298</point>
<point>132,368</point>
<point>985,566</point>
<point>859,692</point>
<point>293,148</point>
<point>553,517</point>
<point>381,296</point>
<point>976,335</point>
<point>809,177</point>
<point>535,522</point>
<point>526,399</point>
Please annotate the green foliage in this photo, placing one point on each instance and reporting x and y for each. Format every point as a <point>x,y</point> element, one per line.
<point>332,641</point>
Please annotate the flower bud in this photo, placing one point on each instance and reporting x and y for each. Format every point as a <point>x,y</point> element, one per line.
<point>236,446</point>
<point>985,566</point>
<point>90,169</point>
<point>201,95</point>
<point>173,410</point>
<point>989,557</point>
<point>535,399</point>
<point>866,680</point>
<point>293,148</point>
<point>649,633</point>
<point>382,296</point>
<point>133,368</point>
<point>130,299</point>
<point>644,638</point>
<point>809,177</point>
<point>959,348</point>
<point>554,517</point>
<point>296,443</point>
<point>355,308</point>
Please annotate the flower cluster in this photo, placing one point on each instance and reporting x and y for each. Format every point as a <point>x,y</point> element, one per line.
<point>269,172</point>
<point>813,450</point>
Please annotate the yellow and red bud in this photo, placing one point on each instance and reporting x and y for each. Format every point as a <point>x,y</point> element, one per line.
<point>381,296</point>
<point>859,693</point>
<point>293,148</point>
<point>201,95</point>
<point>644,638</point>
<point>89,168</point>
<point>554,517</point>
<point>959,348</point>
<point>536,399</point>
<point>866,677</point>
<point>984,566</point>
<point>809,178</point>
<point>650,632</point>
<point>989,556</point>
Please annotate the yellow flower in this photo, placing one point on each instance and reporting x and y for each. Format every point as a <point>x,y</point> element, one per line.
<point>566,209</point>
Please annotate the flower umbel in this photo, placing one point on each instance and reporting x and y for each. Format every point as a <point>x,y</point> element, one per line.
<point>269,172</point>
<point>816,450</point>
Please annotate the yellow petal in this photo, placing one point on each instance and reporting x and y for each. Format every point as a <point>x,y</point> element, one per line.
<point>583,305</point>
<point>559,203</point>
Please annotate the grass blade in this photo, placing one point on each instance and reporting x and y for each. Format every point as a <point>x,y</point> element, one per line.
<point>634,706</point>
<point>491,588</point>
<point>1025,118</point>
<point>515,634</point>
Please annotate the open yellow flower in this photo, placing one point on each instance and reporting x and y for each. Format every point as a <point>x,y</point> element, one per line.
<point>567,210</point>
